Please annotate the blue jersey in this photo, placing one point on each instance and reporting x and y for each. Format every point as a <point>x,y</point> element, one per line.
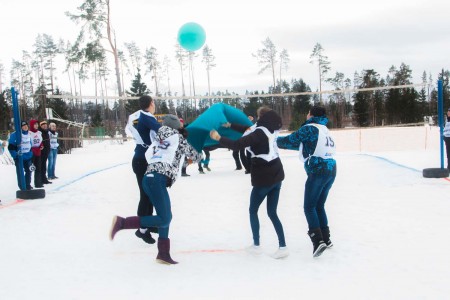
<point>308,137</point>
<point>147,127</point>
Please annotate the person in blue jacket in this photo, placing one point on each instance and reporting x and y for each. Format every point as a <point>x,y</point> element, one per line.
<point>144,126</point>
<point>316,148</point>
<point>25,151</point>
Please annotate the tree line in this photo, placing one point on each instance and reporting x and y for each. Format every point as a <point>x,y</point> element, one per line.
<point>87,58</point>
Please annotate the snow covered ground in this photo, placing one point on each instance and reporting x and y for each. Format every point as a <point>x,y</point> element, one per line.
<point>389,226</point>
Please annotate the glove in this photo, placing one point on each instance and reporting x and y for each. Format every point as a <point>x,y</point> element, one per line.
<point>226,125</point>
<point>183,132</point>
<point>214,135</point>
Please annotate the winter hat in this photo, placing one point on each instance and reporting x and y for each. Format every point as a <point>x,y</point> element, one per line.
<point>271,120</point>
<point>317,111</point>
<point>171,121</point>
<point>32,122</point>
<point>23,123</point>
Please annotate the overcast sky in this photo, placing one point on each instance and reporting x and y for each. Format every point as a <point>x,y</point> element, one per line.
<point>355,35</point>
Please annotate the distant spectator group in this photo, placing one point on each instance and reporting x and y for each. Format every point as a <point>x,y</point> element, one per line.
<point>38,147</point>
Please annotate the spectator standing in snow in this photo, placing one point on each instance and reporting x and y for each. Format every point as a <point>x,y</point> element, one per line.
<point>36,148</point>
<point>317,148</point>
<point>447,138</point>
<point>53,135</point>
<point>25,150</point>
<point>45,151</point>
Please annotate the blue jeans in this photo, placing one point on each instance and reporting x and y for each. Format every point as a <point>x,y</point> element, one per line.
<point>256,198</point>
<point>52,162</point>
<point>316,193</point>
<point>154,185</point>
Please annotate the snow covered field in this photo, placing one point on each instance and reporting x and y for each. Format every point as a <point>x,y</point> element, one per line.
<point>389,226</point>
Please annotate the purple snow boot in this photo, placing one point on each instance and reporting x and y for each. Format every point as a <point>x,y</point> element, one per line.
<point>164,252</point>
<point>120,223</point>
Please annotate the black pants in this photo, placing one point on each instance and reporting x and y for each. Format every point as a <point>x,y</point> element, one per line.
<point>245,163</point>
<point>447,148</point>
<point>145,207</point>
<point>44,158</point>
<point>37,171</point>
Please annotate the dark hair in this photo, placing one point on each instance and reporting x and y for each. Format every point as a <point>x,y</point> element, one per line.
<point>317,111</point>
<point>144,102</point>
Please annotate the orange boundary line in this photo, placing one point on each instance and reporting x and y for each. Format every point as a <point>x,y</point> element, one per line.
<point>12,203</point>
<point>209,251</point>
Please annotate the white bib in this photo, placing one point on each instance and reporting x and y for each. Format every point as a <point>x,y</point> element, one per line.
<point>36,138</point>
<point>163,151</point>
<point>325,147</point>
<point>53,140</point>
<point>273,148</point>
<point>25,144</point>
<point>447,129</point>
<point>137,137</point>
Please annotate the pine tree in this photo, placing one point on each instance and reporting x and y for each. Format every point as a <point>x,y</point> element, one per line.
<point>138,88</point>
<point>322,63</point>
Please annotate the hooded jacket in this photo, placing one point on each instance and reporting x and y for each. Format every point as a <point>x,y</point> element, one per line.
<point>263,172</point>
<point>36,139</point>
<point>45,141</point>
<point>167,151</point>
<point>308,136</point>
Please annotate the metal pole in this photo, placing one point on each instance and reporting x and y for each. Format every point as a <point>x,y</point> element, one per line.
<point>441,119</point>
<point>18,128</point>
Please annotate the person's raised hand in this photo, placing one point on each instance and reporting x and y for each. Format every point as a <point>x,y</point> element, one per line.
<point>214,135</point>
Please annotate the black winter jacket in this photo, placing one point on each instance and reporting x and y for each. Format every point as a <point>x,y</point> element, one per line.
<point>263,173</point>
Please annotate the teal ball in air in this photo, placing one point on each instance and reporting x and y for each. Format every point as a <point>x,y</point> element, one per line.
<point>191,36</point>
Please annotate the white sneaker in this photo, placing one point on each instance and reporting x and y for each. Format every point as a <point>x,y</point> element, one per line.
<point>282,252</point>
<point>253,249</point>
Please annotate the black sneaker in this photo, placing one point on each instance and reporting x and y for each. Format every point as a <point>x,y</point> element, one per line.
<point>319,248</point>
<point>185,175</point>
<point>146,237</point>
<point>329,244</point>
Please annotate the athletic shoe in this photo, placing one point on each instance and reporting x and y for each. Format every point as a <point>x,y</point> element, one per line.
<point>253,249</point>
<point>282,252</point>
<point>146,237</point>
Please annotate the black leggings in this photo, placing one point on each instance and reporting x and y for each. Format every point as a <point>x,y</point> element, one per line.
<point>145,207</point>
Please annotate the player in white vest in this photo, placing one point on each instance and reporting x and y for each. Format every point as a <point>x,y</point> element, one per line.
<point>23,149</point>
<point>447,138</point>
<point>53,135</point>
<point>316,149</point>
<point>36,148</point>
<point>266,174</point>
<point>165,157</point>
<point>143,126</point>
